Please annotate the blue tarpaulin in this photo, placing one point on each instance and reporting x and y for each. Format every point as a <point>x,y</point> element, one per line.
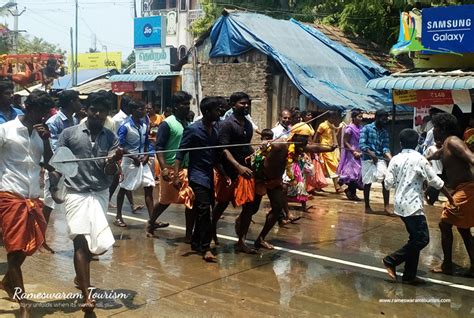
<point>329,74</point>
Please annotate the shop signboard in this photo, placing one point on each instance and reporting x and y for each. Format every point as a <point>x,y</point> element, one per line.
<point>98,60</point>
<point>123,87</point>
<point>152,60</point>
<point>448,29</point>
<point>420,98</point>
<point>149,31</point>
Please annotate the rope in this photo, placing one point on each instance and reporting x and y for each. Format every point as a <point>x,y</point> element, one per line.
<point>164,151</point>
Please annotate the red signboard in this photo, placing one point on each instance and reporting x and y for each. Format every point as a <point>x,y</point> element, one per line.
<point>123,87</point>
<point>434,97</point>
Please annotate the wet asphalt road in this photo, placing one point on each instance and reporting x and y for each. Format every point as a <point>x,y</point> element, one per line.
<point>327,265</point>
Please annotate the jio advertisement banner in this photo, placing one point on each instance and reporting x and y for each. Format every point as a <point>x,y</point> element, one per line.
<point>149,31</point>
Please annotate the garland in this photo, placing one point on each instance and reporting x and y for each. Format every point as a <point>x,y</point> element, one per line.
<point>290,159</point>
<point>259,159</point>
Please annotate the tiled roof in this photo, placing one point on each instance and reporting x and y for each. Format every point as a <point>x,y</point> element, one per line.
<point>367,48</point>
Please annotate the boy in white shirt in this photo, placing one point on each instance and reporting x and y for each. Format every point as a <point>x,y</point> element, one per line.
<point>407,172</point>
<point>432,194</point>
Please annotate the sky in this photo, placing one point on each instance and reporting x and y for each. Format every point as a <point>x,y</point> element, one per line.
<point>110,20</point>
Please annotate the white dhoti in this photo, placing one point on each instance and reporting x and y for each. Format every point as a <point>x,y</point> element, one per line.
<point>372,172</point>
<point>135,177</point>
<point>85,214</point>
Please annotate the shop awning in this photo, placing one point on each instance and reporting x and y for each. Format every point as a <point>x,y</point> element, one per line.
<point>425,81</point>
<point>140,77</point>
<point>94,86</point>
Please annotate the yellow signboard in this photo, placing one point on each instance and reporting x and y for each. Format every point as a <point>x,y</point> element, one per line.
<point>92,61</point>
<point>403,97</point>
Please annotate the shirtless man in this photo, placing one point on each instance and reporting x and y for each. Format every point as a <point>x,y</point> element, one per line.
<point>458,161</point>
<point>273,168</point>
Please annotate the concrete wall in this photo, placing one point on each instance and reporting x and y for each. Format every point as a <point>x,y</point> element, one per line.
<point>223,79</point>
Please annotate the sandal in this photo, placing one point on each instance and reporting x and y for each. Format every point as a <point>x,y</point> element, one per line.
<point>120,223</point>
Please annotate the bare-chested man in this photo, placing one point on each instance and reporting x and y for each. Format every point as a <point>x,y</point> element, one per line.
<point>458,161</point>
<point>269,181</point>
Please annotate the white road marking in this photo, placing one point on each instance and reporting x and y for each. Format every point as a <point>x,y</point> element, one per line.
<point>320,257</point>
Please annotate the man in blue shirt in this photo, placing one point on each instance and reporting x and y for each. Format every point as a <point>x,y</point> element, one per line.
<point>133,138</point>
<point>202,133</point>
<point>7,111</point>
<point>374,144</point>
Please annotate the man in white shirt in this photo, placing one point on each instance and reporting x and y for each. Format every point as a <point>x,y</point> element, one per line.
<point>406,173</point>
<point>24,141</point>
<point>282,129</point>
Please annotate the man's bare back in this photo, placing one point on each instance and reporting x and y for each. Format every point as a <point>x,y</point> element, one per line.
<point>275,163</point>
<point>458,161</point>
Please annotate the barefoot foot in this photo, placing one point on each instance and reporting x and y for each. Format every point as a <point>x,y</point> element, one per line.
<point>242,247</point>
<point>443,269</point>
<point>209,257</point>
<point>88,306</point>
<point>390,270</point>
<point>263,244</point>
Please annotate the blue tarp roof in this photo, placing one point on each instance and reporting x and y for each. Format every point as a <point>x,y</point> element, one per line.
<point>331,75</point>
<point>84,76</point>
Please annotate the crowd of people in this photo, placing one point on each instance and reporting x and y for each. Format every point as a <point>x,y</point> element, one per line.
<point>206,164</point>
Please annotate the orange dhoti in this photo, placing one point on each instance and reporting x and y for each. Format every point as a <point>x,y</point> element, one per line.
<point>239,192</point>
<point>22,221</point>
<point>169,194</point>
<point>463,215</point>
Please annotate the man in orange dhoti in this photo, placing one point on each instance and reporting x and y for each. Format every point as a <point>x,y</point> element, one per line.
<point>23,141</point>
<point>458,161</point>
<point>169,137</point>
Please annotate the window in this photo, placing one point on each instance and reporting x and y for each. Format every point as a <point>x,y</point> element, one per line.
<point>158,5</point>
<point>194,5</point>
<point>182,52</point>
<point>183,6</point>
<point>171,4</point>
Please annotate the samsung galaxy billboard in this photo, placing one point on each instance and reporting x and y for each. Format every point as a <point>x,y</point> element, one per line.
<point>448,29</point>
<point>149,31</point>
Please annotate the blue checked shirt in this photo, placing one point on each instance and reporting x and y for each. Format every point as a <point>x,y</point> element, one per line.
<point>371,138</point>
<point>56,124</point>
<point>134,139</point>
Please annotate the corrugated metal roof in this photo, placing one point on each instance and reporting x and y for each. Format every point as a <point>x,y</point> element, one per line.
<point>140,77</point>
<point>94,86</point>
<point>83,76</point>
<point>423,82</point>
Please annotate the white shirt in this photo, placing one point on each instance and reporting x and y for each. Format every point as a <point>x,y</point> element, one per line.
<point>281,132</point>
<point>406,172</point>
<point>436,164</point>
<point>119,119</point>
<point>20,155</point>
<point>248,117</point>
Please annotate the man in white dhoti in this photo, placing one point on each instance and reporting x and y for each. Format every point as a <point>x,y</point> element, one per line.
<point>87,193</point>
<point>133,138</point>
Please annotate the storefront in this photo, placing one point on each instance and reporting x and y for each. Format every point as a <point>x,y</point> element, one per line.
<point>443,54</point>
<point>152,88</point>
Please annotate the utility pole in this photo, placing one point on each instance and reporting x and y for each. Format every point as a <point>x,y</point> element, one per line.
<point>74,82</point>
<point>73,61</point>
<point>15,15</point>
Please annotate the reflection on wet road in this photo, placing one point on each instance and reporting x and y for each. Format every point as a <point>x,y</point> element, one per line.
<point>327,265</point>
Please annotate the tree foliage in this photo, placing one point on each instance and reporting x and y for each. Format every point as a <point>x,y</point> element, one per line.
<point>28,44</point>
<point>376,20</point>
